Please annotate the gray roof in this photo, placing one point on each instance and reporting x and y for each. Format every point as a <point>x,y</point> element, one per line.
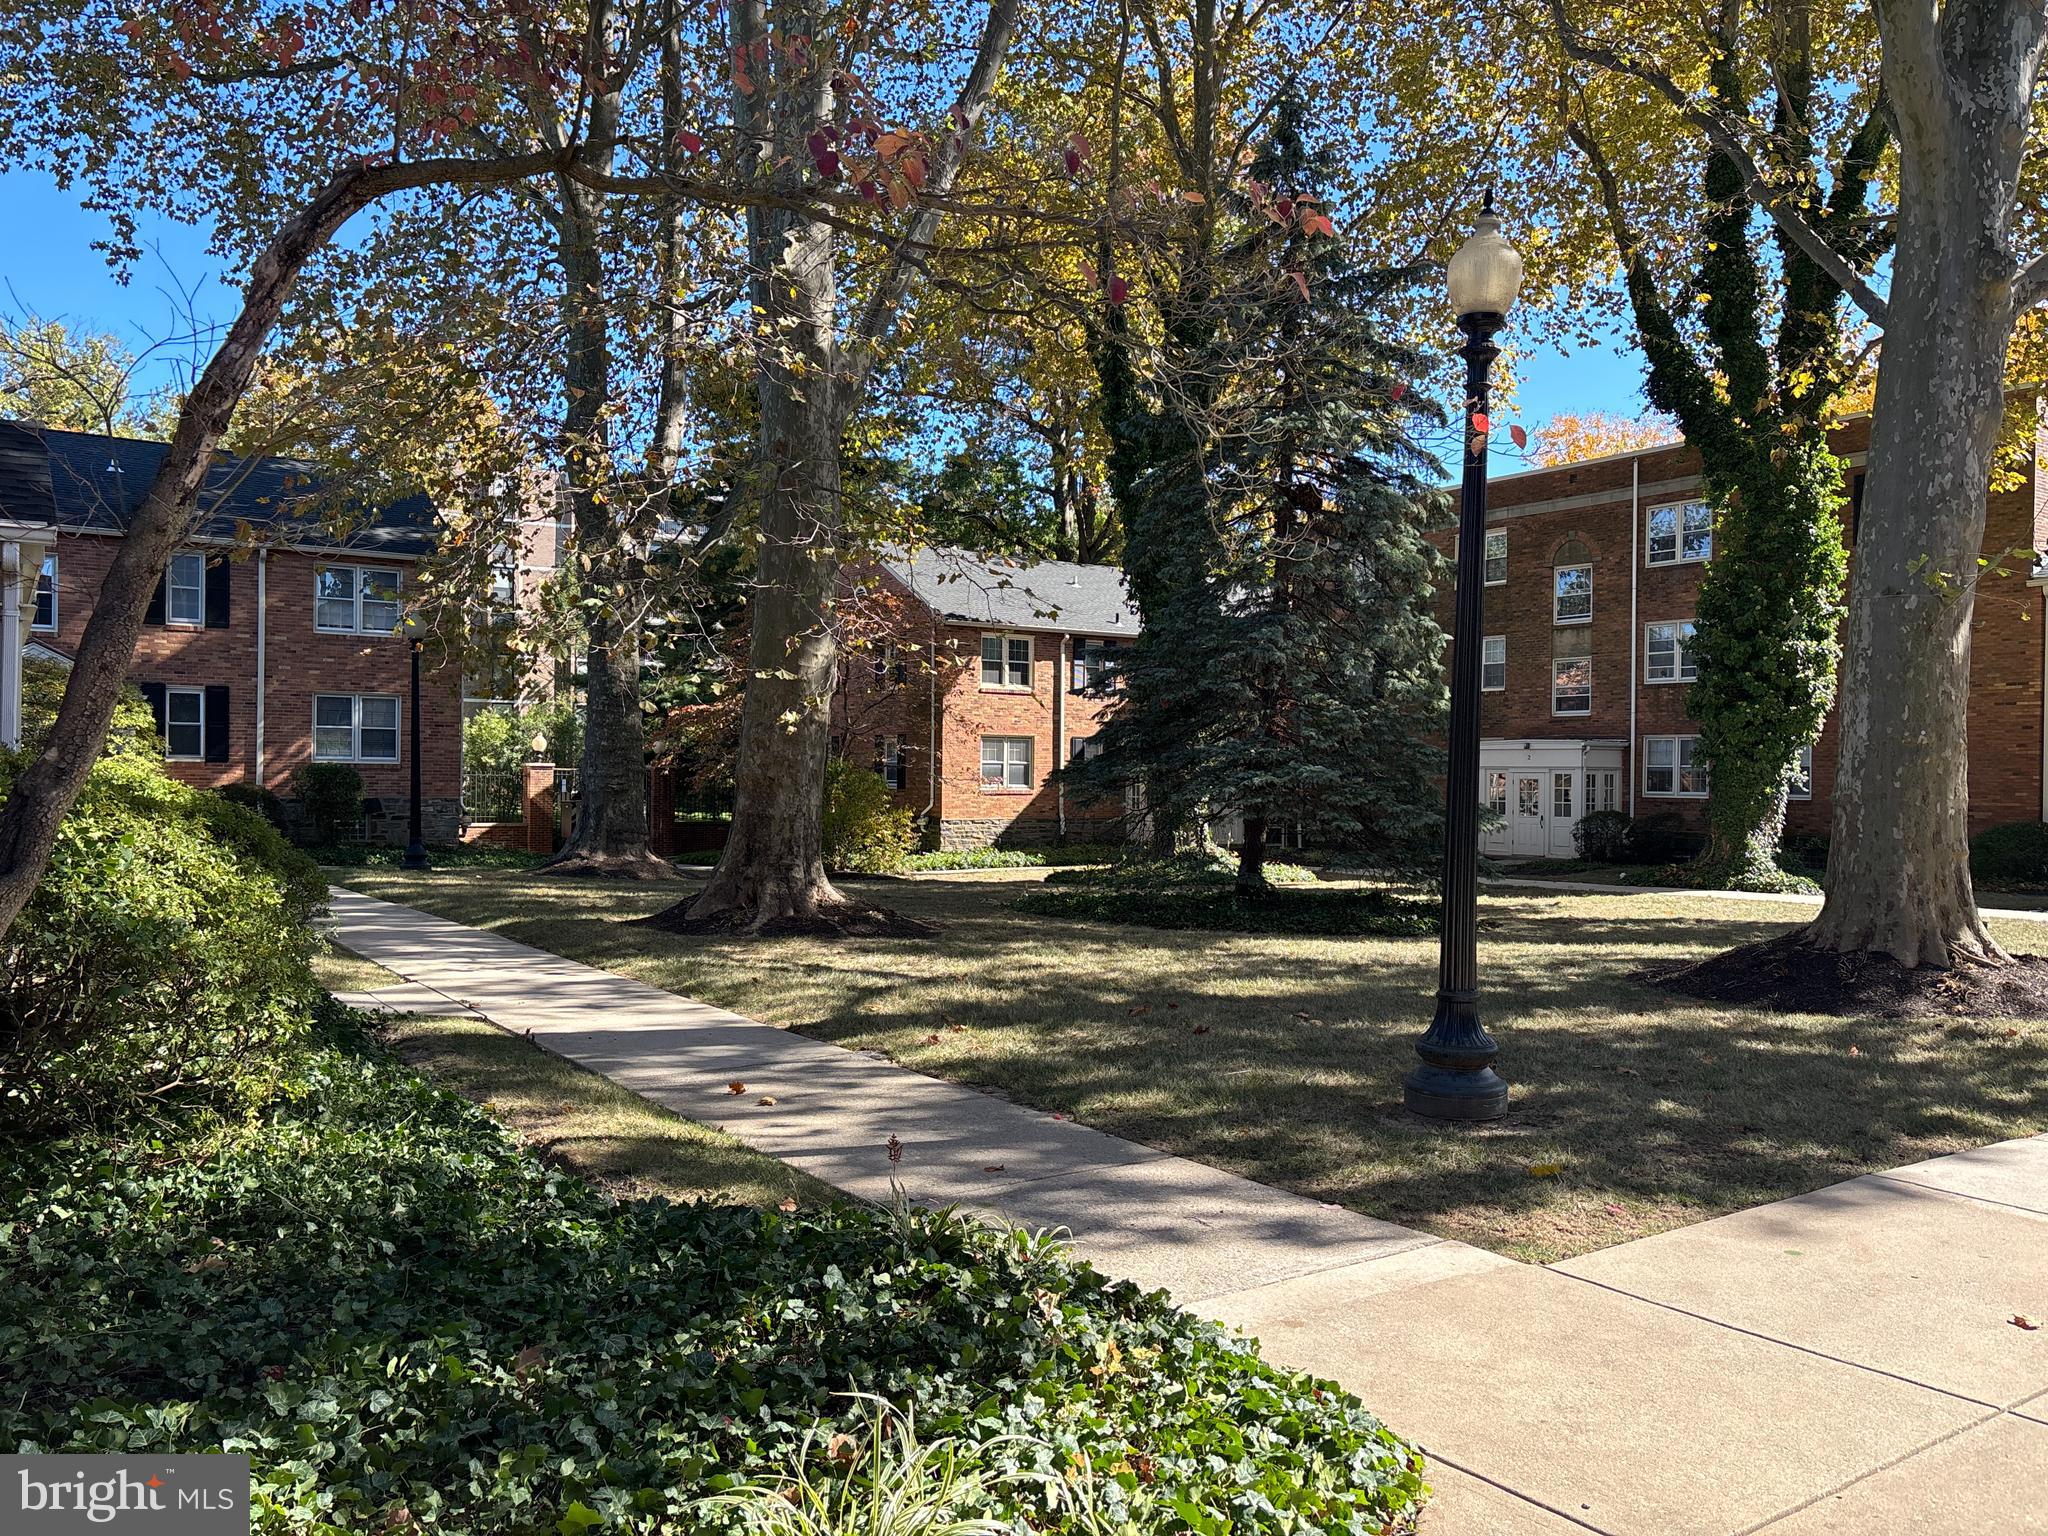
<point>90,480</point>
<point>1049,596</point>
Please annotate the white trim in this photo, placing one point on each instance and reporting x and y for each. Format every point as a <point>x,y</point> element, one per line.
<point>171,586</point>
<point>1006,787</point>
<point>1679,650</point>
<point>356,599</point>
<point>286,546</point>
<point>355,729</point>
<point>1030,661</point>
<point>1679,556</point>
<point>1677,768</point>
<point>1557,571</point>
<point>171,691</point>
<point>35,597</point>
<point>1502,685</point>
<point>1566,661</point>
<point>1486,557</point>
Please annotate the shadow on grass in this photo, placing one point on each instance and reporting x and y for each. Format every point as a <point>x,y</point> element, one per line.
<point>1282,1059</point>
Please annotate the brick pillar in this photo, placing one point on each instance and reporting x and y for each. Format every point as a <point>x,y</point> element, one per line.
<point>661,809</point>
<point>537,791</point>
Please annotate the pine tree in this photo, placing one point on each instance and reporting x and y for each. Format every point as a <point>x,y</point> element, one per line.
<point>1289,665</point>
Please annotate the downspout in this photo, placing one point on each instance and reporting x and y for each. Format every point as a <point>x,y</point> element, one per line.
<point>262,619</point>
<point>931,752</point>
<point>1635,639</point>
<point>1061,678</point>
<point>10,644</point>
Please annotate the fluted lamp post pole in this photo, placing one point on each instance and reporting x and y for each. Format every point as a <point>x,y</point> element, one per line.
<point>1456,1079</point>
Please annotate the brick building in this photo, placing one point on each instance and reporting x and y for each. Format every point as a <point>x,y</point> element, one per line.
<point>270,641</point>
<point>993,673</point>
<point>1592,580</point>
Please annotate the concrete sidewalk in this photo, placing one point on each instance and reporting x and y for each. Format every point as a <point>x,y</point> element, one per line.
<point>1843,1362</point>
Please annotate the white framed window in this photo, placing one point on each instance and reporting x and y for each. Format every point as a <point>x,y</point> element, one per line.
<point>888,663</point>
<point>185,725</point>
<point>1668,653</point>
<point>1497,793</point>
<point>1006,762</point>
<point>1573,602</point>
<point>46,595</point>
<point>185,590</point>
<point>1006,661</point>
<point>1680,533</point>
<point>1800,785</point>
<point>1561,796</point>
<point>1493,663</point>
<point>1085,749</point>
<point>355,728</point>
<point>1571,685</point>
<point>1669,767</point>
<point>1600,791</point>
<point>1095,664</point>
<point>1496,556</point>
<point>891,753</point>
<point>355,599</point>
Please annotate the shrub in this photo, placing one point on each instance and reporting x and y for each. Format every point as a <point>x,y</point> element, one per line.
<point>500,741</point>
<point>166,945</point>
<point>1804,851</point>
<point>1661,839</point>
<point>258,799</point>
<point>331,794</point>
<point>1602,837</point>
<point>457,1330</point>
<point>2016,852</point>
<point>1054,855</point>
<point>866,832</point>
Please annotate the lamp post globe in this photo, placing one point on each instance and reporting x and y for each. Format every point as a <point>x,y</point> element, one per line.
<point>1455,1078</point>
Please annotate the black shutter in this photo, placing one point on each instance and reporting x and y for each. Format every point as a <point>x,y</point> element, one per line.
<point>217,585</point>
<point>154,614</point>
<point>153,696</point>
<point>216,713</point>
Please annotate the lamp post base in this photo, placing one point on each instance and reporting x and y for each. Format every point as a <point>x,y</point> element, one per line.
<point>415,857</point>
<point>1444,1093</point>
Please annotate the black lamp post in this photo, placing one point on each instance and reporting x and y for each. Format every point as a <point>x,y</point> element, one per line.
<point>1456,1080</point>
<point>415,845</point>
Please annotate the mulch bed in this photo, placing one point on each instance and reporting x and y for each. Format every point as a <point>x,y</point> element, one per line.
<point>853,920</point>
<point>1788,975</point>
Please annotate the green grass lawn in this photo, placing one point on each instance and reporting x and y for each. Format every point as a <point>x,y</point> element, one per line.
<point>1281,1058</point>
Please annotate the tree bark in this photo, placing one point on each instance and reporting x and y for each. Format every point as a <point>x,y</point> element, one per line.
<point>1251,854</point>
<point>46,789</point>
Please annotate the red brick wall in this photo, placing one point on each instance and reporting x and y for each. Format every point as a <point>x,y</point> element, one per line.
<point>2006,645</point>
<point>300,663</point>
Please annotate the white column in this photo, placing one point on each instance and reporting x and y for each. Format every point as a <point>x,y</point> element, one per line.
<point>10,644</point>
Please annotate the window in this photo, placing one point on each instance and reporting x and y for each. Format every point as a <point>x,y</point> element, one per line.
<point>891,754</point>
<point>1095,663</point>
<point>1669,654</point>
<point>1571,685</point>
<point>1085,749</point>
<point>1561,796</point>
<point>1006,661</point>
<point>1496,556</point>
<point>185,590</point>
<point>1681,533</point>
<point>1800,785</point>
<point>504,575</point>
<point>355,599</point>
<point>1493,663</point>
<point>889,665</point>
<point>1600,788</point>
<point>355,728</point>
<point>1574,600</point>
<point>1006,762</point>
<point>185,724</point>
<point>46,594</point>
<point>1668,767</point>
<point>1497,793</point>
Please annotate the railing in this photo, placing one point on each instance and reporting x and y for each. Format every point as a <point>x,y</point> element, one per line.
<point>492,795</point>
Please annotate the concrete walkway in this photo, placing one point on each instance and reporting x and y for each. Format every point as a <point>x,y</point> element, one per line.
<point>1840,1364</point>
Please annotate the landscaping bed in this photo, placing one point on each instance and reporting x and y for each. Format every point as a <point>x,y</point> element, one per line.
<point>1204,894</point>
<point>411,1323</point>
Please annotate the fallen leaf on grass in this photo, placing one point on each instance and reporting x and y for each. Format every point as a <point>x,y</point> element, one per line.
<point>2021,1320</point>
<point>931,1039</point>
<point>1545,1170</point>
<point>1617,1210</point>
<point>958,1029</point>
<point>766,1098</point>
<point>786,1204</point>
<point>1201,1029</point>
<point>1141,1008</point>
<point>735,1089</point>
<point>1058,1116</point>
<point>992,1168</point>
<point>1855,1050</point>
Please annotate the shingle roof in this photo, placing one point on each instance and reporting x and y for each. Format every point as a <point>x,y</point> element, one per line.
<point>90,480</point>
<point>1050,596</point>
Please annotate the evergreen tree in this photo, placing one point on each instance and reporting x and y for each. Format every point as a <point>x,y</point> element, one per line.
<point>1289,665</point>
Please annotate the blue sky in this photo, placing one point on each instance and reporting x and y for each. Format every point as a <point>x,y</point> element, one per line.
<point>48,266</point>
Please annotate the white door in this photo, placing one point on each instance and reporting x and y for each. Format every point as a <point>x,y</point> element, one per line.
<point>1525,818</point>
<point>1493,795</point>
<point>1563,816</point>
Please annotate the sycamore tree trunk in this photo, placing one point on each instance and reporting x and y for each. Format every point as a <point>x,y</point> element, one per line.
<point>1898,880</point>
<point>1251,855</point>
<point>45,790</point>
<point>1962,84</point>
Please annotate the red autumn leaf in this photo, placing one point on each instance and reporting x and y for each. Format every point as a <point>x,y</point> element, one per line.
<point>1301,282</point>
<point>1073,159</point>
<point>1399,392</point>
<point>1520,436</point>
<point>1088,271</point>
<point>1119,290</point>
<point>735,1089</point>
<point>689,141</point>
<point>1316,224</point>
<point>1481,422</point>
<point>2021,1320</point>
<point>912,167</point>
